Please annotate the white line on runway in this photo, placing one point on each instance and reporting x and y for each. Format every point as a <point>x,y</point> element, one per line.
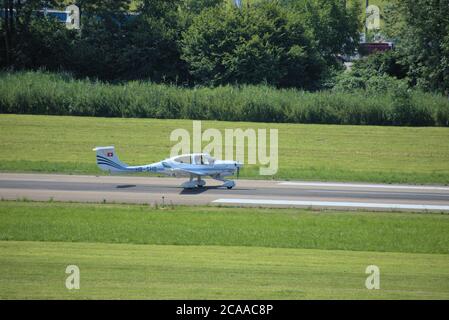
<point>334,204</point>
<point>348,185</point>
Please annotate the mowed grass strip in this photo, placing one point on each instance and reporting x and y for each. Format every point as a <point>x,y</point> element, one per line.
<point>283,228</point>
<point>36,270</point>
<point>32,143</point>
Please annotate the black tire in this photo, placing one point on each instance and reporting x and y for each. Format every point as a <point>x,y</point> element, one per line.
<point>229,188</point>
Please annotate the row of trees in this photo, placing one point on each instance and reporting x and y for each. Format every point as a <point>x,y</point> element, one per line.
<point>208,42</point>
<point>284,43</point>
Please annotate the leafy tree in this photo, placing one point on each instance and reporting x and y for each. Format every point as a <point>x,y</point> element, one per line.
<point>334,25</point>
<point>29,39</point>
<point>113,44</point>
<point>196,6</point>
<point>385,63</point>
<point>103,6</point>
<point>189,9</point>
<point>377,74</point>
<point>131,46</point>
<point>421,28</point>
<point>261,43</point>
<point>46,43</point>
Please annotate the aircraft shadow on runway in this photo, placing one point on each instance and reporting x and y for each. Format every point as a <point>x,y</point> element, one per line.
<point>126,186</point>
<point>199,190</point>
<point>186,191</point>
<point>204,189</point>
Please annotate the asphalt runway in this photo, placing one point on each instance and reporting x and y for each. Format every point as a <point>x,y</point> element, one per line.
<point>256,193</point>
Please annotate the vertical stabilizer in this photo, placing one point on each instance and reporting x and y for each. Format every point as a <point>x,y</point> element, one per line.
<point>107,160</point>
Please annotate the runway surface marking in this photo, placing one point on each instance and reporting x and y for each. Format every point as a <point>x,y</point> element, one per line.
<point>349,185</point>
<point>390,206</point>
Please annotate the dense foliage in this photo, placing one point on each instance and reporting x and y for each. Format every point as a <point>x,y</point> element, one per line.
<point>184,41</point>
<point>334,25</point>
<point>285,43</point>
<point>44,93</point>
<point>421,30</point>
<point>201,44</point>
<point>261,44</point>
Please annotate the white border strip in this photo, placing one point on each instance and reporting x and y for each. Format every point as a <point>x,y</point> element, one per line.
<point>348,185</point>
<point>390,206</point>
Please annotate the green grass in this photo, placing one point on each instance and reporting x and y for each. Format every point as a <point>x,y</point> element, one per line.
<point>36,270</point>
<point>32,143</point>
<point>218,253</point>
<point>287,228</point>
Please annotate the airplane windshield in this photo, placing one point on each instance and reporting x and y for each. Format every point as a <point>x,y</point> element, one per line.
<point>183,159</point>
<point>199,159</point>
<point>208,160</point>
<point>203,159</point>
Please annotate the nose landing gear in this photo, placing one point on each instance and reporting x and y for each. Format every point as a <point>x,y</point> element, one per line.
<point>229,184</point>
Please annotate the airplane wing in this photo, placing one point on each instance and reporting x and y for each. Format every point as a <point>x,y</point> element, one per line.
<point>182,171</point>
<point>185,171</point>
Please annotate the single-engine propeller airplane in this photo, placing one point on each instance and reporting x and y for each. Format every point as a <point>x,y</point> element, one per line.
<point>195,166</point>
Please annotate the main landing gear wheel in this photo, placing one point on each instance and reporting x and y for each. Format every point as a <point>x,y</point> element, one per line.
<point>200,183</point>
<point>192,184</point>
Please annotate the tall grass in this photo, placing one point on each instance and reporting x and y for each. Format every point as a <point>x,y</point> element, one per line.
<point>60,94</point>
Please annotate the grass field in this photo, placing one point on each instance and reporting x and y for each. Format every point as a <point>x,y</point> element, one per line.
<point>131,251</point>
<point>123,271</point>
<point>32,143</point>
<point>287,228</point>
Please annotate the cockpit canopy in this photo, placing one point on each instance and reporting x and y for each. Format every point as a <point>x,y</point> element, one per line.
<point>197,158</point>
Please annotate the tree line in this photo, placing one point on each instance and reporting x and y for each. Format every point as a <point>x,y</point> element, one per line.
<point>280,43</point>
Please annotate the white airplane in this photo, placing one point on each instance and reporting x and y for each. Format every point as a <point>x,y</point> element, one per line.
<point>195,166</point>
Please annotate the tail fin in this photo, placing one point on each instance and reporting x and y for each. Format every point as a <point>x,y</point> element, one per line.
<point>107,160</point>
